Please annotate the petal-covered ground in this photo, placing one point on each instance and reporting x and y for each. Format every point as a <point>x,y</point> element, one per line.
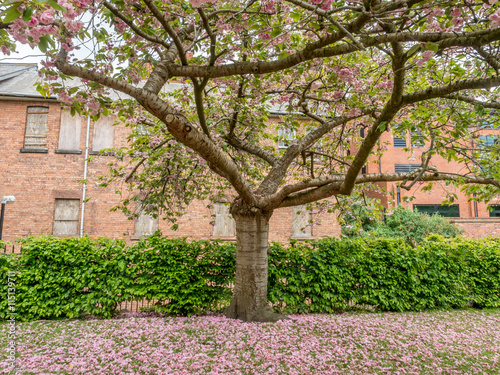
<point>458,342</point>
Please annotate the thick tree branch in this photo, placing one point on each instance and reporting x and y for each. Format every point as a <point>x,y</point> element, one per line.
<point>332,186</point>
<point>390,110</point>
<point>446,90</point>
<point>312,51</point>
<point>200,107</point>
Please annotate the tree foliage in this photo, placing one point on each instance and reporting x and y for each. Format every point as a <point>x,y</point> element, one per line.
<point>330,67</point>
<point>338,73</point>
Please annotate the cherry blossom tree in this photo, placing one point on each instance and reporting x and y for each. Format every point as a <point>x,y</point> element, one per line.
<point>198,81</point>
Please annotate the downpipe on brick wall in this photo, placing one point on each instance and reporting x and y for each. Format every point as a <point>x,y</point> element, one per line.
<point>85,175</point>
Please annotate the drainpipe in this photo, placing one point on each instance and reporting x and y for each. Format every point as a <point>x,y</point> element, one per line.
<point>475,206</point>
<point>85,175</point>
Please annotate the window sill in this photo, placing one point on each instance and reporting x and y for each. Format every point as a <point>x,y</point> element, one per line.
<point>302,238</point>
<point>138,238</point>
<point>34,150</point>
<point>111,153</point>
<point>222,238</point>
<point>76,152</point>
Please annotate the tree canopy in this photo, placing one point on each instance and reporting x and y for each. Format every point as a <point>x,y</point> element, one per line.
<point>202,78</point>
<point>330,68</point>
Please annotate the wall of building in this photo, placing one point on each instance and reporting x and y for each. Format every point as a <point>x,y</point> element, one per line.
<point>474,218</point>
<point>38,179</point>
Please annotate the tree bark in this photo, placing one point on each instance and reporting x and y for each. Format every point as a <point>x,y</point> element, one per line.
<point>249,300</point>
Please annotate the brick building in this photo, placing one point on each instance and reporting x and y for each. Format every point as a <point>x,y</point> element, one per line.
<point>42,160</point>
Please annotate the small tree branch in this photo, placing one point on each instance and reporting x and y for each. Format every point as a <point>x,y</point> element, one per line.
<point>170,31</point>
<point>467,99</point>
<point>212,36</point>
<point>137,30</point>
<point>489,58</point>
<point>252,149</point>
<point>273,180</point>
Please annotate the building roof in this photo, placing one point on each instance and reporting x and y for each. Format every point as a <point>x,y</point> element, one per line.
<point>21,85</point>
<point>17,79</point>
<point>10,70</point>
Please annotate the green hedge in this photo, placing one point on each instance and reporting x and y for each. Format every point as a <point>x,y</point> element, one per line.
<point>64,278</point>
<point>333,275</point>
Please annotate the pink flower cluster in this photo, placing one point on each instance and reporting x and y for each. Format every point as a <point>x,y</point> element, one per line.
<point>495,18</point>
<point>426,56</point>
<point>199,3</point>
<point>325,4</point>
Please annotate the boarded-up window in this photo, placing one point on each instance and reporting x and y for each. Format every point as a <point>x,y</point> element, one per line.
<point>224,223</point>
<point>301,222</point>
<point>66,217</point>
<point>36,127</point>
<point>104,134</point>
<point>69,133</point>
<point>145,224</point>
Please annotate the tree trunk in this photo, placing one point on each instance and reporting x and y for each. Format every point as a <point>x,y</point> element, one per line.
<point>249,301</point>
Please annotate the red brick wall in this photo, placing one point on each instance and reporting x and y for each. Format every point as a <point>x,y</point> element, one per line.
<point>37,179</point>
<point>479,227</point>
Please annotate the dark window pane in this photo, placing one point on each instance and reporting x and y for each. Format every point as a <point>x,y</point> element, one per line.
<point>495,210</point>
<point>405,168</point>
<point>442,210</point>
<point>399,142</point>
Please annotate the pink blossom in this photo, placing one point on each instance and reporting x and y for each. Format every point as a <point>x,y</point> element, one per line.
<point>456,12</point>
<point>428,54</point>
<point>46,17</point>
<point>199,3</point>
<point>32,22</point>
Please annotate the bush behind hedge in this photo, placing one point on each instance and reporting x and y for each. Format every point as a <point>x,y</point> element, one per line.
<point>64,278</point>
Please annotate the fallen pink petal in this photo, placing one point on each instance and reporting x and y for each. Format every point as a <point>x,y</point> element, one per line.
<point>458,342</point>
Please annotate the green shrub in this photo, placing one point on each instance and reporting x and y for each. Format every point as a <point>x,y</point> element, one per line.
<point>412,226</point>
<point>184,278</point>
<point>64,278</point>
<point>334,275</point>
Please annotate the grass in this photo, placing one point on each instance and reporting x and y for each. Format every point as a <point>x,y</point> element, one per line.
<point>456,342</point>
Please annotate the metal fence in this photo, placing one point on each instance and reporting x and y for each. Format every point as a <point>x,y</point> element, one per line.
<point>10,249</point>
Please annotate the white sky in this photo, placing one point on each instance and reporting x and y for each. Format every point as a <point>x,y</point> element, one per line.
<point>24,54</point>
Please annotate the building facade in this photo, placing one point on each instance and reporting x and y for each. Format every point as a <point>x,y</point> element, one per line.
<point>42,164</point>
